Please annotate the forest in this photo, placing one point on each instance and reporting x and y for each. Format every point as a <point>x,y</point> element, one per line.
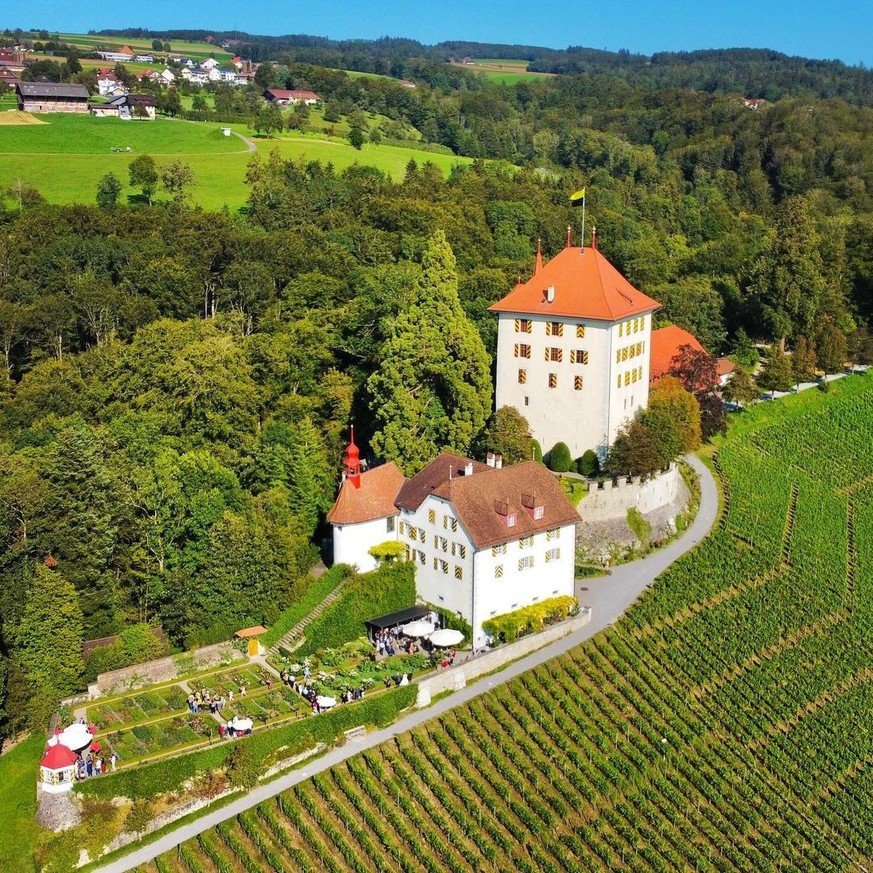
<point>178,384</point>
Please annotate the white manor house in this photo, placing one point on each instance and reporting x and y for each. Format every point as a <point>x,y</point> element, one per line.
<point>573,350</point>
<point>485,539</point>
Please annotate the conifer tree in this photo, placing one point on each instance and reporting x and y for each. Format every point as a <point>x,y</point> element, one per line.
<point>48,640</point>
<point>433,388</point>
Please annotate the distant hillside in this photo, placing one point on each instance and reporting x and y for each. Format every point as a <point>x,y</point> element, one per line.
<point>759,73</point>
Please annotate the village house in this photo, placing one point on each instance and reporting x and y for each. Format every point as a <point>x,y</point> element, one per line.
<point>107,81</point>
<point>286,97</point>
<point>667,344</point>
<point>123,55</point>
<point>8,79</point>
<point>52,97</point>
<point>573,347</point>
<point>485,539</point>
<point>13,59</point>
<point>126,107</point>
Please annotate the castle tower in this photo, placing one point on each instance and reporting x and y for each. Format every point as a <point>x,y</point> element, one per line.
<point>573,346</point>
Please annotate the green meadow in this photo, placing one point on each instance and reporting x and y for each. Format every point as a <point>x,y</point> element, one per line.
<point>66,158</point>
<point>93,42</point>
<point>506,71</point>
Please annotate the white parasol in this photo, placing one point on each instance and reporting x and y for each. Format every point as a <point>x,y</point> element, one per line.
<point>241,724</point>
<point>420,628</point>
<point>446,637</point>
<point>326,702</point>
<point>75,737</point>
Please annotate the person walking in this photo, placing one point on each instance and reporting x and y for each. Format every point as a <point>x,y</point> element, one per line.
<point>113,760</point>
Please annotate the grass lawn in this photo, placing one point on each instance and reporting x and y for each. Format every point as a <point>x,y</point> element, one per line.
<point>507,71</point>
<point>195,50</point>
<point>19,832</point>
<point>65,159</point>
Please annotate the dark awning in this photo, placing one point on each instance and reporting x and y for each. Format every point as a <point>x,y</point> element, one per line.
<point>402,616</point>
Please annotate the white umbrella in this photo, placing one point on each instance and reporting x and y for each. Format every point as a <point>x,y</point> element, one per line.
<point>241,724</point>
<point>446,637</point>
<point>75,737</point>
<point>420,628</point>
<point>326,702</point>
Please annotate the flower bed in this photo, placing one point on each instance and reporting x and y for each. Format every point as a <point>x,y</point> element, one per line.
<point>279,702</point>
<point>252,677</point>
<point>149,739</point>
<point>137,707</point>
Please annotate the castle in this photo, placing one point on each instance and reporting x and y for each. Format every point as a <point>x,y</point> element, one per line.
<point>573,357</point>
<point>573,350</point>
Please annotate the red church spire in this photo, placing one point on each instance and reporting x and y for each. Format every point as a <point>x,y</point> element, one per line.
<point>539,263</point>
<point>352,462</point>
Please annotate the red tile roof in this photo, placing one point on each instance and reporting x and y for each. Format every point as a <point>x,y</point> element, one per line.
<point>483,500</point>
<point>247,632</point>
<point>725,366</point>
<point>665,345</point>
<point>373,499</point>
<point>57,757</point>
<point>441,469</point>
<point>585,285</point>
<point>283,94</point>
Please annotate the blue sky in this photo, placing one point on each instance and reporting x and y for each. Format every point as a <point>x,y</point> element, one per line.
<point>826,29</point>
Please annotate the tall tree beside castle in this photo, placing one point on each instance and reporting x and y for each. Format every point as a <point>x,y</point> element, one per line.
<point>433,387</point>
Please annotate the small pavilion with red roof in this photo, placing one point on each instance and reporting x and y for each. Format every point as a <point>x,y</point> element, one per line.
<point>573,347</point>
<point>57,769</point>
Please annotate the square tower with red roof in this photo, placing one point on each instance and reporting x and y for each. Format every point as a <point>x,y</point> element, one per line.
<point>573,347</point>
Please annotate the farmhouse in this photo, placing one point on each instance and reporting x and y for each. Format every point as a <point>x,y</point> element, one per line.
<point>52,97</point>
<point>124,55</point>
<point>8,79</point>
<point>573,346</point>
<point>126,107</point>
<point>485,539</point>
<point>283,97</point>
<point>13,59</point>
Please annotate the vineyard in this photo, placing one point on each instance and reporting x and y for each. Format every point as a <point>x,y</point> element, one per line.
<point>724,724</point>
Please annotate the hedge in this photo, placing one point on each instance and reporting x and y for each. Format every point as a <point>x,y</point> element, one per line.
<point>368,595</point>
<point>313,595</point>
<point>512,625</point>
<point>148,780</point>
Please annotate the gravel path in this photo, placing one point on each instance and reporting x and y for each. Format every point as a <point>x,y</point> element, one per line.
<point>608,596</point>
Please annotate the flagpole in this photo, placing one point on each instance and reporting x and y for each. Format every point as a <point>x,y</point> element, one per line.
<point>583,221</point>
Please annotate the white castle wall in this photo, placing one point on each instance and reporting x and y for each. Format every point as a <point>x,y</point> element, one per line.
<point>612,501</point>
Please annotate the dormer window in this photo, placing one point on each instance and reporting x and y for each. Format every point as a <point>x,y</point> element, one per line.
<point>510,519</point>
<point>501,507</point>
<point>533,506</point>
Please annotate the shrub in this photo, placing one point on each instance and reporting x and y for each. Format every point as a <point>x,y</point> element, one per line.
<point>588,464</point>
<point>512,625</point>
<point>560,459</point>
<point>384,590</point>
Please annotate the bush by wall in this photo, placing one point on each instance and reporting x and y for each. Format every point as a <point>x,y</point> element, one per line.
<point>509,627</point>
<point>560,459</point>
<point>149,780</point>
<point>588,464</point>
<point>368,595</point>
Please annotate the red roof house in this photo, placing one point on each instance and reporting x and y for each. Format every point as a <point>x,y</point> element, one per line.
<point>58,757</point>
<point>666,343</point>
<point>373,498</point>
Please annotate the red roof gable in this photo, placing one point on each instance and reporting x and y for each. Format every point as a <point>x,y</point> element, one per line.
<point>665,345</point>
<point>58,757</point>
<point>373,499</point>
<point>585,285</point>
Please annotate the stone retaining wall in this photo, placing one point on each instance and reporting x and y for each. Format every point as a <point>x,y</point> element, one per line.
<point>164,669</point>
<point>614,500</point>
<point>455,678</point>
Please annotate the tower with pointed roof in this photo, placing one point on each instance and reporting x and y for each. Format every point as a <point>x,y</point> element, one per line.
<point>573,346</point>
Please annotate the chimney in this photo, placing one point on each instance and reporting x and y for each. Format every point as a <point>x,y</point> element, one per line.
<point>468,469</point>
<point>550,294</point>
<point>489,459</point>
<point>498,461</point>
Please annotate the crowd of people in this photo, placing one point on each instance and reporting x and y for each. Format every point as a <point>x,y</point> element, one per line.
<point>91,763</point>
<point>202,700</point>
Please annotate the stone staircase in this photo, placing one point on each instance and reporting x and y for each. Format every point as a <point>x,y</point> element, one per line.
<point>294,638</point>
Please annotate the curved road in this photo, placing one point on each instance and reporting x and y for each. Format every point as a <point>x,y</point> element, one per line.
<point>608,596</point>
